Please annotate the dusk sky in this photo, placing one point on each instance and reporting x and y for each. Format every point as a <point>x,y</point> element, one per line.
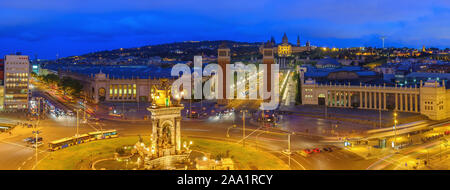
<point>75,27</point>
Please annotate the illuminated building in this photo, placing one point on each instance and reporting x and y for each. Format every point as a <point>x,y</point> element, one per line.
<point>285,49</point>
<point>17,73</point>
<point>268,59</point>
<point>115,83</point>
<point>431,99</point>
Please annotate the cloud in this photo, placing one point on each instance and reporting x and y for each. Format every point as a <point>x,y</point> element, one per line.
<point>109,24</point>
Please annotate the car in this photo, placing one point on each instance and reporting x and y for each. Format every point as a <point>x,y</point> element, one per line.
<point>193,114</point>
<point>316,150</point>
<point>32,141</point>
<point>28,139</point>
<point>307,151</point>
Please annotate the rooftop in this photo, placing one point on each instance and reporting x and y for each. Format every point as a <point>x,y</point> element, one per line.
<point>115,71</point>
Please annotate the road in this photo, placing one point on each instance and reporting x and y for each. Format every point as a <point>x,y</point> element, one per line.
<point>17,155</point>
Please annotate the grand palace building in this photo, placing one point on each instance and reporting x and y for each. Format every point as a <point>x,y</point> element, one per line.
<point>115,83</point>
<point>430,98</point>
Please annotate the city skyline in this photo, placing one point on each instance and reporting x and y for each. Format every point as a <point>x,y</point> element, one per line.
<point>70,28</point>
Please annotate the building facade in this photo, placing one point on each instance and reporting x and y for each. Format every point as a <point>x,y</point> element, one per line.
<point>102,87</point>
<point>286,49</point>
<point>17,77</point>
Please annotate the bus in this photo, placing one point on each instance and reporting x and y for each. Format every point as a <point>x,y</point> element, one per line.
<point>97,135</point>
<point>71,141</point>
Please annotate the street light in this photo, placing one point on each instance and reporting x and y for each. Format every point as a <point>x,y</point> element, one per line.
<point>395,130</point>
<point>228,129</point>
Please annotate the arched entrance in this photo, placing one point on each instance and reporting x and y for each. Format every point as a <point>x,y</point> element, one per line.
<point>101,94</point>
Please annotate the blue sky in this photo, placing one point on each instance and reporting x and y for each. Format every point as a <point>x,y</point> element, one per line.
<point>73,27</point>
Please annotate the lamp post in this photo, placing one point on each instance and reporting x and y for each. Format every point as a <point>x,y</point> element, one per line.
<point>77,122</point>
<point>395,130</point>
<point>228,129</point>
<point>379,113</point>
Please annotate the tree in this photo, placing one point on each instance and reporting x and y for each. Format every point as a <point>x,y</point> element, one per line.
<point>50,79</point>
<point>70,86</point>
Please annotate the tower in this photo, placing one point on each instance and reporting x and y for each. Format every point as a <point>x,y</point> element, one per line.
<point>272,40</point>
<point>166,117</point>
<point>268,59</point>
<point>382,39</point>
<point>223,58</point>
<point>433,98</point>
<point>285,39</point>
<point>298,41</point>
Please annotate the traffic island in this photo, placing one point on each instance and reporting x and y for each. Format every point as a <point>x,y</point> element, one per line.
<point>104,155</point>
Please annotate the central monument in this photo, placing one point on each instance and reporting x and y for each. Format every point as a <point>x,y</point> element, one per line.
<point>165,117</point>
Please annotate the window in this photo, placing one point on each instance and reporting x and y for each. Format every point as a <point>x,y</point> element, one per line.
<point>120,91</point>
<point>134,90</point>
<point>110,91</point>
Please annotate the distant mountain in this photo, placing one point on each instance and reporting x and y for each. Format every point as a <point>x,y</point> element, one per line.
<point>181,51</point>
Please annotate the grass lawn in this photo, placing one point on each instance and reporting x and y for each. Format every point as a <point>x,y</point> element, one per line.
<point>78,157</point>
<point>245,159</point>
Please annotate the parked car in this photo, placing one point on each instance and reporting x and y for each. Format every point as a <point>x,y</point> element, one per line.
<point>28,139</point>
<point>316,150</point>
<point>307,151</point>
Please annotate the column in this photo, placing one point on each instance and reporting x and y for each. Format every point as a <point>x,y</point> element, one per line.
<point>410,103</point>
<point>370,100</point>
<point>379,100</point>
<point>326,98</point>
<point>360,99</point>
<point>401,102</point>
<point>335,98</point>
<point>365,100</point>
<point>349,100</point>
<point>384,100</point>
<point>415,103</point>
<point>344,103</point>
<point>396,103</point>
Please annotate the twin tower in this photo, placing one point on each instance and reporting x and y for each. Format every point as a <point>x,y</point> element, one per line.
<point>224,58</point>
